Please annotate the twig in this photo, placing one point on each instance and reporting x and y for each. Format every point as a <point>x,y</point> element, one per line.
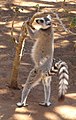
<point>66,30</point>
<point>12,28</point>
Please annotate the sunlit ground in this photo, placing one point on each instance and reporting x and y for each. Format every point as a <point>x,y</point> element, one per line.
<point>66,112</point>
<point>61,112</point>
<point>21,114</point>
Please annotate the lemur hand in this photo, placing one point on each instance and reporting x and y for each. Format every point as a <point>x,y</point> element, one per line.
<point>27,22</point>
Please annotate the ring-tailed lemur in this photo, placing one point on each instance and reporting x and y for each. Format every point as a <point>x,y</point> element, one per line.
<point>42,55</point>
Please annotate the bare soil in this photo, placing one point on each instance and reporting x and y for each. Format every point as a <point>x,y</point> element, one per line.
<point>64,49</point>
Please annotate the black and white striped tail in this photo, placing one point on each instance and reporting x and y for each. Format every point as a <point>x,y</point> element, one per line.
<point>60,67</point>
<point>63,77</point>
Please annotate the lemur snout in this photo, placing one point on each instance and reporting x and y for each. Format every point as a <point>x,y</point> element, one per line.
<point>48,23</point>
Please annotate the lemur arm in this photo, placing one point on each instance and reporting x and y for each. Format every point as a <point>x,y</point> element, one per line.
<point>32,32</point>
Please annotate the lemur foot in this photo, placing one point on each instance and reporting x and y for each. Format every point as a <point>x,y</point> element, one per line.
<point>45,104</point>
<point>19,104</point>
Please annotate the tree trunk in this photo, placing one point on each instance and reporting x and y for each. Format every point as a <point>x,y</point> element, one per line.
<point>17,59</point>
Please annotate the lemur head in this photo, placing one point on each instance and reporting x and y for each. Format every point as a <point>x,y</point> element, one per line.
<point>42,23</point>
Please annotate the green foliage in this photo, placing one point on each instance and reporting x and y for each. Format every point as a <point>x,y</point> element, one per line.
<point>73,22</point>
<point>37,7</point>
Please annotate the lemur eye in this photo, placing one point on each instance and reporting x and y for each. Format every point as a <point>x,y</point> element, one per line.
<point>37,21</point>
<point>41,21</point>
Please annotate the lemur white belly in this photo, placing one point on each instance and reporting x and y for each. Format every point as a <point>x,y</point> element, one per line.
<point>40,52</point>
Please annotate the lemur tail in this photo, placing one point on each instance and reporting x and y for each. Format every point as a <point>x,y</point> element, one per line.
<point>60,67</point>
<point>63,77</point>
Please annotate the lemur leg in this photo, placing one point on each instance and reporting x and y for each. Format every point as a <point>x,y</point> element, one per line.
<point>47,91</point>
<point>32,80</point>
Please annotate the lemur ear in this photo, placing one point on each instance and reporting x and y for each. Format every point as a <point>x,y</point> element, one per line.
<point>48,16</point>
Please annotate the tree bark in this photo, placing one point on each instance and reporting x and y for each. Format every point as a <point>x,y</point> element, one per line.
<point>17,59</point>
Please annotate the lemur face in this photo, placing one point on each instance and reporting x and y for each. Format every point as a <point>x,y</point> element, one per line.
<point>43,22</point>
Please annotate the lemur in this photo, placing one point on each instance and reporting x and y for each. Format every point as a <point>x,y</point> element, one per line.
<point>42,55</point>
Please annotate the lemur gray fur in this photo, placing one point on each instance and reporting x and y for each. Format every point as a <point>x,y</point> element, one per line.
<point>42,55</point>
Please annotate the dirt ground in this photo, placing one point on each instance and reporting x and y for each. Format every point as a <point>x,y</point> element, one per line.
<point>64,49</point>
